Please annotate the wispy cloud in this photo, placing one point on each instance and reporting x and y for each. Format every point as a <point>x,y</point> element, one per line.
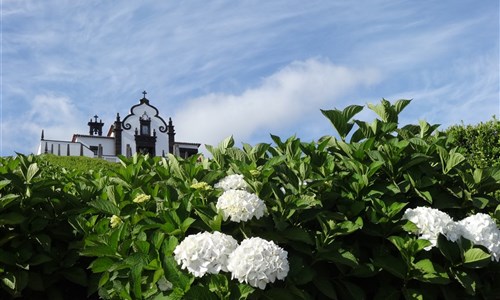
<point>56,115</point>
<point>293,93</point>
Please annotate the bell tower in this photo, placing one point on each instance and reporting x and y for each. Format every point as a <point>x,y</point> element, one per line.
<point>95,127</point>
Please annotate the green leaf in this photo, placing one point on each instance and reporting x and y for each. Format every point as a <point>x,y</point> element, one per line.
<point>340,119</point>
<point>398,241</point>
<point>101,264</point>
<point>4,183</point>
<point>476,258</point>
<point>32,171</point>
<point>400,104</point>
<point>226,143</point>
<point>297,234</point>
<point>326,287</point>
<point>186,223</point>
<point>450,250</point>
<point>199,293</point>
<point>12,218</point>
<point>39,258</point>
<point>387,292</point>
<point>76,275</point>
<point>136,272</point>
<point>431,273</point>
<point>9,280</point>
<point>393,265</point>
<point>468,281</point>
<point>413,294</point>
<point>7,199</point>
<point>480,202</point>
<point>454,159</point>
<point>244,291</point>
<point>300,271</point>
<point>105,206</point>
<point>174,275</point>
<point>218,285</point>
<point>351,290</point>
<point>99,250</point>
<point>280,293</point>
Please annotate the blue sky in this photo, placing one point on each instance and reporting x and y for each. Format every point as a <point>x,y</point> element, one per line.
<point>246,68</point>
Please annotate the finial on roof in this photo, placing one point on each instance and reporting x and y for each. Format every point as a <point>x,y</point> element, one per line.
<point>144,99</point>
<point>42,135</point>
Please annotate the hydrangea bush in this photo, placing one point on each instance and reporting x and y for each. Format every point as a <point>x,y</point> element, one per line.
<point>375,211</point>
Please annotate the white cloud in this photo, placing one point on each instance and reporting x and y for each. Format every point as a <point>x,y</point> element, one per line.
<point>56,115</point>
<point>282,100</point>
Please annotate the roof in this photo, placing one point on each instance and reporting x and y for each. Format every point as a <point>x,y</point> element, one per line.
<point>76,135</point>
<point>190,144</point>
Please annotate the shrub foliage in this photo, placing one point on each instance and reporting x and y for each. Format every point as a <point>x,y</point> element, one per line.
<point>334,205</point>
<point>480,142</point>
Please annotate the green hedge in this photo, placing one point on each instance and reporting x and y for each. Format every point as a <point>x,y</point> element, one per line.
<point>78,163</point>
<point>336,206</point>
<point>480,143</point>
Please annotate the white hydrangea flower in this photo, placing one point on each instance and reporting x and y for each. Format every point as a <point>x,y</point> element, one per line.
<point>258,262</point>
<point>240,205</point>
<point>205,252</point>
<point>430,222</point>
<point>232,182</point>
<point>482,230</point>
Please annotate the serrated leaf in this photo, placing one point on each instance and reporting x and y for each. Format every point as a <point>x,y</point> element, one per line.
<point>226,143</point>
<point>340,119</point>
<point>454,159</point>
<point>476,258</point>
<point>400,104</point>
<point>105,206</point>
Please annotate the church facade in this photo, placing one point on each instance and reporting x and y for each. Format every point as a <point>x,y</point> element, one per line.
<point>143,131</point>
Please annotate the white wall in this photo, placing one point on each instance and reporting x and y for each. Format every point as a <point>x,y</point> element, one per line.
<point>133,120</point>
<point>62,146</point>
<point>108,144</point>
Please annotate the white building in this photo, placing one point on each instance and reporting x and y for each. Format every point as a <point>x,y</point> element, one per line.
<point>143,130</point>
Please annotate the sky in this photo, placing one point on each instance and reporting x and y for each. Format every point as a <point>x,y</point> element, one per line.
<point>246,68</point>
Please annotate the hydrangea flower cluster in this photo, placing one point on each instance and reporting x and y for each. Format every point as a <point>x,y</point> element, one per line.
<point>115,221</point>
<point>430,222</point>
<point>236,203</point>
<point>232,182</point>
<point>240,206</point>
<point>482,230</point>
<point>141,198</point>
<point>258,262</point>
<point>202,185</point>
<point>479,228</point>
<point>205,252</point>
